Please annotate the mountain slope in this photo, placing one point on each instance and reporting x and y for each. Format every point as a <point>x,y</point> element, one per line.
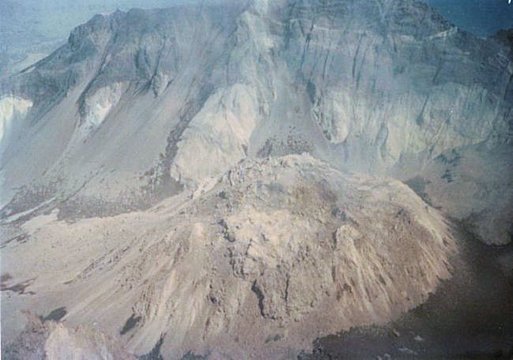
<point>181,177</point>
<point>258,264</point>
<point>382,88</point>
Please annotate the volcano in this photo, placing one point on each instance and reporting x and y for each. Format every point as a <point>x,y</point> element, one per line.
<point>236,180</point>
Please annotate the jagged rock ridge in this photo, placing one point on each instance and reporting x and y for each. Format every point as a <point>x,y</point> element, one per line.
<point>380,87</point>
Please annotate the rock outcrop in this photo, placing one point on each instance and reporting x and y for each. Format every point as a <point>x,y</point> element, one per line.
<point>273,255</point>
<point>381,88</point>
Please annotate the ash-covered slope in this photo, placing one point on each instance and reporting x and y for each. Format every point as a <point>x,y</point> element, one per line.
<point>92,107</point>
<point>139,104</point>
<point>155,183</point>
<point>256,265</point>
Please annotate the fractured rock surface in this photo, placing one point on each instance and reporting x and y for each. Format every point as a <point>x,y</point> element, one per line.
<point>275,254</point>
<point>377,87</point>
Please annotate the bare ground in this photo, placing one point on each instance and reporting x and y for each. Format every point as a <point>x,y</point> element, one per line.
<point>469,317</point>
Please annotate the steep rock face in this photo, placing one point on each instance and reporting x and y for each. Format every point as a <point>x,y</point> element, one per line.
<point>394,87</point>
<point>380,87</point>
<point>257,264</point>
<point>127,56</point>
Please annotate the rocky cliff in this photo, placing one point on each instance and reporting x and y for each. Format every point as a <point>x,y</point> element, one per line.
<point>381,88</point>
